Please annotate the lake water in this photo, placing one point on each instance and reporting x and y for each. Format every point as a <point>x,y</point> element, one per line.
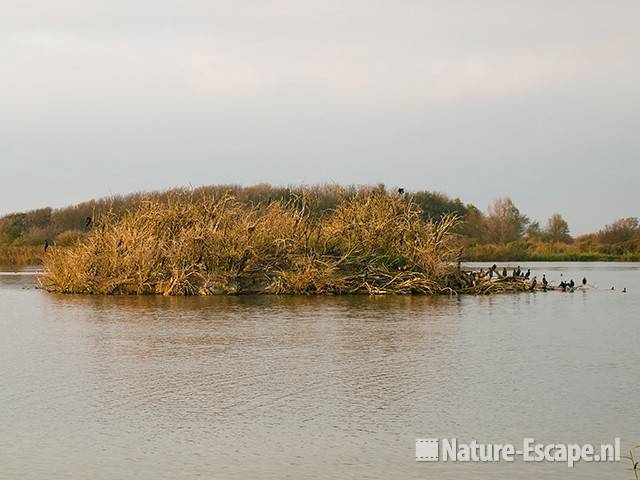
<point>292,387</point>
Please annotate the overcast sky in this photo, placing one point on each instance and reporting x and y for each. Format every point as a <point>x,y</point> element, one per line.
<point>536,100</point>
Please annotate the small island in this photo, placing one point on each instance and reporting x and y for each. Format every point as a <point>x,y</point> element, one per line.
<point>198,242</point>
<point>315,240</point>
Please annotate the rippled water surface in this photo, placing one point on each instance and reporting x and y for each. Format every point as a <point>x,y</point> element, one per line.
<point>291,387</point>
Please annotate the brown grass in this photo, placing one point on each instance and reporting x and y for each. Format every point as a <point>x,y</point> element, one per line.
<point>20,255</point>
<point>195,244</point>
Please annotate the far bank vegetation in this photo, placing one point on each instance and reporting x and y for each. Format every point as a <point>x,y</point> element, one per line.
<point>500,233</point>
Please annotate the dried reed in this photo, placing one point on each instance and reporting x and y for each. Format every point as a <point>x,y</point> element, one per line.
<point>372,243</point>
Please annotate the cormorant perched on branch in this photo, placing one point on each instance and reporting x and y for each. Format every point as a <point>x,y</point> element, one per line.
<point>46,245</point>
<point>401,191</point>
<point>544,281</point>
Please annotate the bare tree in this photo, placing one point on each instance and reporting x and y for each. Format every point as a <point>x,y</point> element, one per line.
<point>505,223</point>
<point>557,229</point>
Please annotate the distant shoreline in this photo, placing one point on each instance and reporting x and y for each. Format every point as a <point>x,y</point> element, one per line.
<point>502,233</point>
<point>32,256</point>
<point>560,257</point>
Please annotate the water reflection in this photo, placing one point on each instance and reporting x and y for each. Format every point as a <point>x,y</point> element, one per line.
<point>241,387</point>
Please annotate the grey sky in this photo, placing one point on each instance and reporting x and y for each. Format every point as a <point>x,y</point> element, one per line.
<point>536,100</point>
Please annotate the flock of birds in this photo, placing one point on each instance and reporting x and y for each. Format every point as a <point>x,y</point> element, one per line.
<point>518,273</point>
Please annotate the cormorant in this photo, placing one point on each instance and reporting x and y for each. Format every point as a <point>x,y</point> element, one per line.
<point>46,245</point>
<point>624,290</point>
<point>401,191</point>
<point>504,272</point>
<point>572,283</point>
<point>528,274</point>
<point>584,280</point>
<point>544,281</point>
<point>88,222</point>
<point>533,284</point>
<point>613,288</point>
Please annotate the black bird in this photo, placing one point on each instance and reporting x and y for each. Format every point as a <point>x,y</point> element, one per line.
<point>572,283</point>
<point>533,284</point>
<point>528,274</point>
<point>401,191</point>
<point>46,245</point>
<point>544,281</point>
<point>504,272</point>
<point>88,222</point>
<point>613,288</point>
<point>624,290</point>
<point>584,280</point>
<point>563,286</point>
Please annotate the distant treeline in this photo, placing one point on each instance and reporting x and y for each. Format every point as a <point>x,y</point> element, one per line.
<point>500,233</point>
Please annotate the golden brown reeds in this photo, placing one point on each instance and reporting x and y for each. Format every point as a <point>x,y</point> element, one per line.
<point>374,243</point>
<point>20,255</point>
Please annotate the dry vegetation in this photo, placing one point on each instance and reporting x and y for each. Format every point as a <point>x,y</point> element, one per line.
<point>20,255</point>
<point>372,242</point>
<point>502,233</point>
